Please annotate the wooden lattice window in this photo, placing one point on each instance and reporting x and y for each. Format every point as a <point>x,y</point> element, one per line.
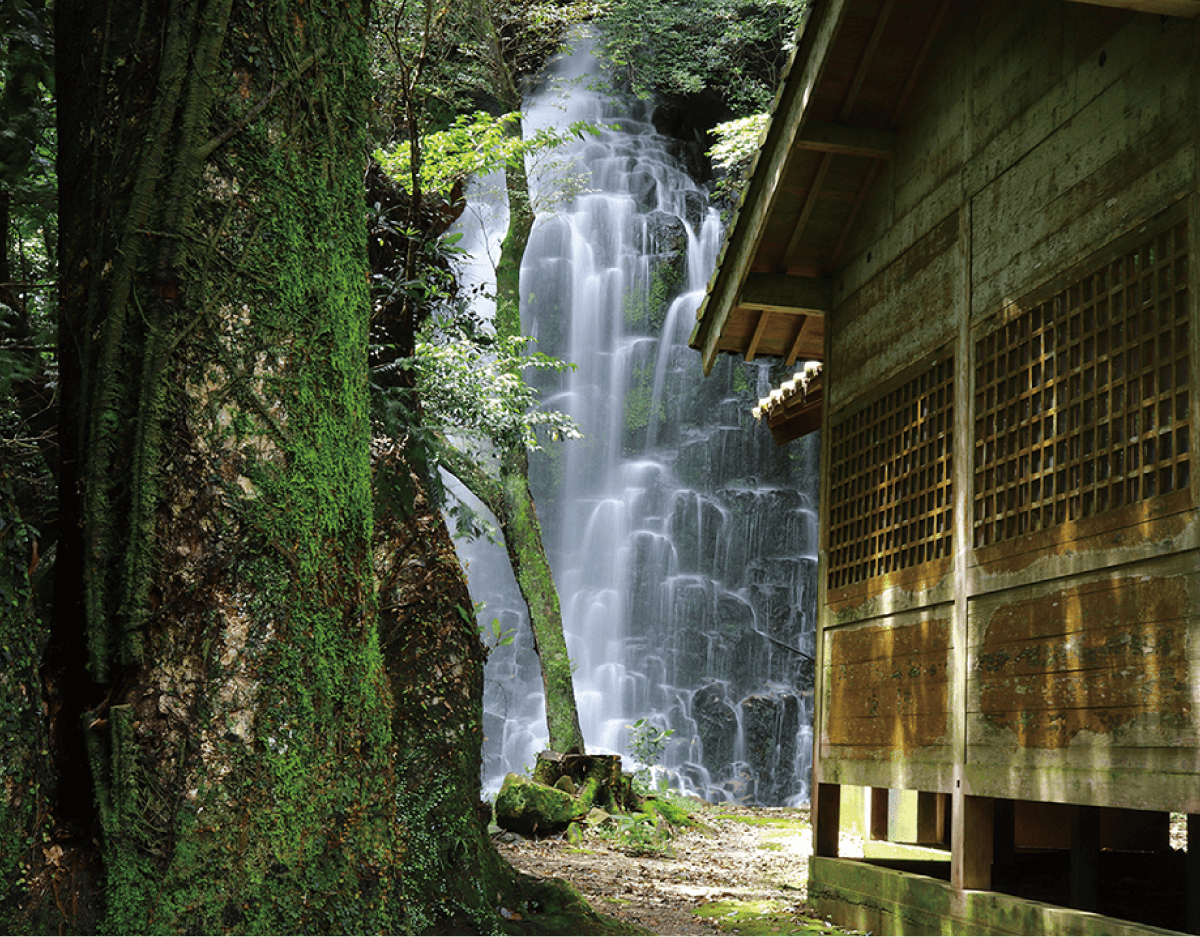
<point>1082,401</point>
<point>892,464</point>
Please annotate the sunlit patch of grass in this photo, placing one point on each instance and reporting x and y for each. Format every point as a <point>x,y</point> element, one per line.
<point>796,822</point>
<point>765,916</point>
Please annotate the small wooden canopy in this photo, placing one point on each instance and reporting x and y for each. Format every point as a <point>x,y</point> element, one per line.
<point>833,126</point>
<point>794,408</point>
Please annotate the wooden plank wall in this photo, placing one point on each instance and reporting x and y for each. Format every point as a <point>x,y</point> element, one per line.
<point>1069,671</point>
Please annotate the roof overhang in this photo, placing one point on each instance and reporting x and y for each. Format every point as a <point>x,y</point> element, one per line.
<point>833,127</point>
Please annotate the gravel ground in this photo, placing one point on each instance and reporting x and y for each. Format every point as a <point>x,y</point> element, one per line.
<point>743,854</point>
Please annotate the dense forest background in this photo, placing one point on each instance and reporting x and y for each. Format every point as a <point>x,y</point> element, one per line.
<point>241,679</point>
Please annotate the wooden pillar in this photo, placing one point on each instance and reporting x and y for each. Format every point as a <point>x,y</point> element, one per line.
<point>1085,859</point>
<point>1004,835</point>
<point>931,818</point>
<point>971,842</point>
<point>827,819</point>
<point>1192,885</point>
<point>879,813</point>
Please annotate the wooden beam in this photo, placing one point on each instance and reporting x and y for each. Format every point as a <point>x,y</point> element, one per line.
<point>779,292</point>
<point>879,813</point>
<point>827,819</point>
<point>1085,859</point>
<point>794,350</point>
<point>864,65</point>
<point>931,818</point>
<point>1187,8</point>
<point>810,202</point>
<point>759,329</point>
<point>859,198</point>
<point>971,832</point>
<point>844,140</point>
<point>930,35</point>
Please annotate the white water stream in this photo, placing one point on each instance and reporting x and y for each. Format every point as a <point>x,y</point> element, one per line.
<point>683,542</point>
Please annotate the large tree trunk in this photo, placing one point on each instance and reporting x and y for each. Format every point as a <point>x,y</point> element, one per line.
<point>221,719</point>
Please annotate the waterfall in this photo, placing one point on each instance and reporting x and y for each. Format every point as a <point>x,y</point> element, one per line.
<point>682,540</point>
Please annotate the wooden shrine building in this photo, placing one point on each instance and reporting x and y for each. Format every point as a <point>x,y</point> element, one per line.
<point>983,217</point>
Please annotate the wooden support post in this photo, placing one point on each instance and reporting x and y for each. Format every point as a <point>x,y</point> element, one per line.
<point>931,818</point>
<point>1085,859</point>
<point>879,813</point>
<point>1004,835</point>
<point>827,819</point>
<point>1192,885</point>
<point>971,847</point>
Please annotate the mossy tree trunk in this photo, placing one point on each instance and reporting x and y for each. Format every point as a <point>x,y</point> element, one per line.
<point>220,707</point>
<point>506,494</point>
<point>506,490</point>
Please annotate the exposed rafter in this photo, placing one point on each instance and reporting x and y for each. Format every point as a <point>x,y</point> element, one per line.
<point>794,350</point>
<point>847,108</point>
<point>844,140</point>
<point>759,331</point>
<point>778,292</point>
<point>1187,8</point>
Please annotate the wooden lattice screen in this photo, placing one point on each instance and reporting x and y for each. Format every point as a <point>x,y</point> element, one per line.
<point>1082,401</point>
<point>892,465</point>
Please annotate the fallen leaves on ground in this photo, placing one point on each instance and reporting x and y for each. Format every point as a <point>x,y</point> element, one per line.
<point>741,855</point>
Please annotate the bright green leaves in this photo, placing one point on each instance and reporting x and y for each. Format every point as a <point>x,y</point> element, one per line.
<point>737,143</point>
<point>476,390</point>
<point>476,144</point>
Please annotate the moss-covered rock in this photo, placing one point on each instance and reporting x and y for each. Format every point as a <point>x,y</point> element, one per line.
<point>527,807</point>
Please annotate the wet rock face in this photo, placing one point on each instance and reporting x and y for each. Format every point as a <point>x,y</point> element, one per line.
<point>772,729</point>
<point>666,233</point>
<point>716,724</point>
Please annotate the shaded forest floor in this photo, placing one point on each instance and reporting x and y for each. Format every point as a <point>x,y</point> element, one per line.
<point>744,871</point>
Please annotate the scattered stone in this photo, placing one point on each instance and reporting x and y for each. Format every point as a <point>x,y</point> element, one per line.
<point>527,807</point>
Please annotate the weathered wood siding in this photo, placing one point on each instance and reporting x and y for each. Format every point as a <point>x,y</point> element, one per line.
<point>889,687</point>
<point>1063,664</point>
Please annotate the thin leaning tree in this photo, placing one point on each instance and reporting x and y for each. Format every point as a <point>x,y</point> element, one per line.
<point>486,445</point>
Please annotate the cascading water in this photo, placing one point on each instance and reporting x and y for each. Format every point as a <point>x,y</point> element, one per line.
<point>682,540</point>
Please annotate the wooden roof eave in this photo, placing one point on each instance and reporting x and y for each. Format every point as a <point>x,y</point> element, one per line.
<point>818,35</point>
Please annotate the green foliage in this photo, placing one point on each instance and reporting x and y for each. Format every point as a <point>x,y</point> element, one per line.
<point>498,637</point>
<point>26,89</point>
<point>433,60</point>
<point>28,191</point>
<point>475,390</point>
<point>733,154</point>
<point>735,49</point>
<point>474,145</point>
<point>22,738</point>
<point>646,743</point>
<point>639,834</point>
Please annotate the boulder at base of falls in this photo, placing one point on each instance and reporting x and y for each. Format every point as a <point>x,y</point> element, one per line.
<point>527,807</point>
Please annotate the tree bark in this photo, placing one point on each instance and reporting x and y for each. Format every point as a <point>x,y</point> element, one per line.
<point>221,714</point>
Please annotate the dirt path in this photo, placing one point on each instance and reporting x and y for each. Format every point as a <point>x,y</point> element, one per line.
<point>746,873</point>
